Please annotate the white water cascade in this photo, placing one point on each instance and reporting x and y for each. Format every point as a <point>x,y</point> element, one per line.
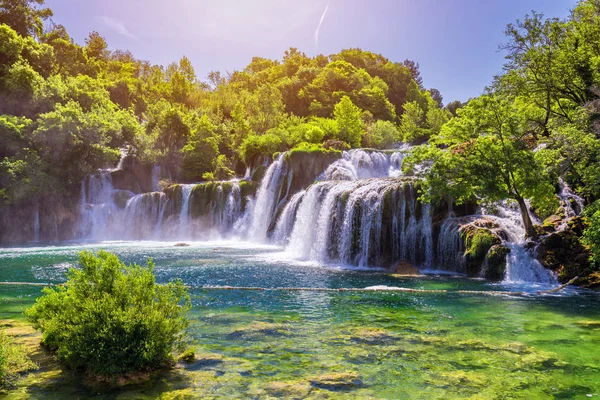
<point>266,199</point>
<point>36,224</point>
<point>361,211</point>
<point>184,214</point>
<point>521,266</point>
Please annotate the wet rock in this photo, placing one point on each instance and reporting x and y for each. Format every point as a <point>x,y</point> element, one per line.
<point>121,198</point>
<point>478,240</point>
<point>552,223</point>
<point>405,268</point>
<point>339,381</point>
<point>495,267</point>
<point>259,330</point>
<point>288,390</point>
<point>564,253</point>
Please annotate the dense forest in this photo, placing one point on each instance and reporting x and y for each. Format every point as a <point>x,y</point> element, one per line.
<point>67,110</point>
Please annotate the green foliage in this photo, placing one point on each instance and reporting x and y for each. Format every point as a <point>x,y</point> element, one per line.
<point>255,146</point>
<point>411,122</point>
<point>349,120</point>
<point>24,16</point>
<point>591,235</point>
<point>485,152</point>
<point>13,361</point>
<point>311,148</point>
<point>201,151</point>
<point>381,135</point>
<point>111,319</point>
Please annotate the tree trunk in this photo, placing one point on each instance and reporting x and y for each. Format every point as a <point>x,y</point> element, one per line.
<point>529,228</point>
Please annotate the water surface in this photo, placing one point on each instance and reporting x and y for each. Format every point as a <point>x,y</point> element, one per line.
<point>256,344</point>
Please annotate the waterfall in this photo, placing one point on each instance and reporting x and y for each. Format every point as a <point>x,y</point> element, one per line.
<point>363,164</point>
<point>155,177</point>
<point>572,203</point>
<point>97,206</point>
<point>358,223</point>
<point>143,214</point>
<point>184,214</point>
<point>36,224</point>
<point>521,266</point>
<point>266,200</point>
<point>450,251</point>
<point>285,223</point>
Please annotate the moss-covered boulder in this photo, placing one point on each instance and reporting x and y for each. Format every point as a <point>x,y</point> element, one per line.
<point>552,223</point>
<point>563,253</point>
<point>495,264</point>
<point>478,239</point>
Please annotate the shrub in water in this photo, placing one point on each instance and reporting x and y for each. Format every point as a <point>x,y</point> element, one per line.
<point>111,319</point>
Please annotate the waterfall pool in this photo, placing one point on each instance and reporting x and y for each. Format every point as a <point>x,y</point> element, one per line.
<point>298,344</point>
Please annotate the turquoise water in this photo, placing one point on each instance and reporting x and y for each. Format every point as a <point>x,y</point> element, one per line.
<point>338,344</point>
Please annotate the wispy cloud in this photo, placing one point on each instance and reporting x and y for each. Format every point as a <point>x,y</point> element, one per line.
<point>321,23</point>
<point>117,26</point>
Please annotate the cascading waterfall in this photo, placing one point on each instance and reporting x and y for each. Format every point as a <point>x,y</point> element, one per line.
<point>184,214</point>
<point>521,266</point>
<point>266,199</point>
<point>98,207</point>
<point>572,203</point>
<point>360,212</point>
<point>450,250</point>
<point>363,164</point>
<point>285,224</point>
<point>36,224</point>
<point>359,223</point>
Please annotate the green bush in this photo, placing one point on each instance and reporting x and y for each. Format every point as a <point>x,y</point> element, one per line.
<point>591,235</point>
<point>13,361</point>
<point>111,319</point>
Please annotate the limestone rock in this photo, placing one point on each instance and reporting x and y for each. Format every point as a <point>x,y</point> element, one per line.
<point>405,268</point>
<point>496,263</point>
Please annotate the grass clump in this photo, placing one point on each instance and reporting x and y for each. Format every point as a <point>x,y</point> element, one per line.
<point>110,319</point>
<point>13,361</point>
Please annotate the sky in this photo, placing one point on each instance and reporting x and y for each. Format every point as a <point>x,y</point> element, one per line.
<point>455,42</point>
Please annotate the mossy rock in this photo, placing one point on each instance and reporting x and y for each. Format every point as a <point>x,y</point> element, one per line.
<point>337,381</point>
<point>496,263</point>
<point>551,223</point>
<point>564,253</point>
<point>478,242</point>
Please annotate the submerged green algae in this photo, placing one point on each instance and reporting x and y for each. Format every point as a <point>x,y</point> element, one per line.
<point>345,344</point>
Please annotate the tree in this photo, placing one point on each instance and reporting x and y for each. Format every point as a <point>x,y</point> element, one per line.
<point>414,72</point>
<point>349,120</point>
<point>437,97</point>
<point>24,16</point>
<point>110,319</point>
<point>485,152</point>
<point>382,135</point>
<point>412,122</point>
<point>201,151</point>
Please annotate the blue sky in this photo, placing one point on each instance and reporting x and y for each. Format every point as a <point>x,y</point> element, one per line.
<point>454,41</point>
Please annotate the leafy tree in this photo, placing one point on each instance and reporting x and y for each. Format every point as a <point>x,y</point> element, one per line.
<point>414,72</point>
<point>110,319</point>
<point>591,235</point>
<point>24,16</point>
<point>382,135</point>
<point>484,152</point>
<point>201,151</point>
<point>437,97</point>
<point>412,122</point>
<point>349,120</point>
